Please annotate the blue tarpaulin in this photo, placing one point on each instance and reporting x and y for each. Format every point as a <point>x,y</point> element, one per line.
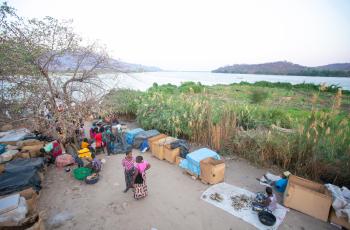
<point>192,161</point>
<point>130,135</point>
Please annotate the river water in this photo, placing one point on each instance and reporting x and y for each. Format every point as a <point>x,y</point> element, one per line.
<point>142,81</point>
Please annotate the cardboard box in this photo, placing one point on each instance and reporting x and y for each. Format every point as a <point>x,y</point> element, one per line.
<point>171,154</point>
<point>158,146</point>
<point>32,199</point>
<point>154,139</point>
<point>342,221</point>
<point>178,160</point>
<point>308,197</point>
<point>212,170</point>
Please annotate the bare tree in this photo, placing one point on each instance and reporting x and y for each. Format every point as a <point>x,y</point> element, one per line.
<point>34,60</point>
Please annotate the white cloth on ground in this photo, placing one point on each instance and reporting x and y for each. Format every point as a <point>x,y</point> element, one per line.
<point>246,214</point>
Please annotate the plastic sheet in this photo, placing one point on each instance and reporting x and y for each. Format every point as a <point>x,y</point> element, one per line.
<point>16,216</point>
<point>14,135</point>
<point>14,182</point>
<point>119,148</point>
<point>140,137</point>
<point>341,201</point>
<point>192,161</point>
<point>130,135</point>
<point>183,145</point>
<point>23,165</point>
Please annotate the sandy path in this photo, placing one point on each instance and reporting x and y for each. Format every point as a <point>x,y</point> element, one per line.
<point>173,201</point>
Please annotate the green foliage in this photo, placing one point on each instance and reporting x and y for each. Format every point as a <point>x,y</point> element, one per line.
<point>168,88</point>
<point>258,96</point>
<point>191,87</point>
<point>289,86</point>
<point>314,139</point>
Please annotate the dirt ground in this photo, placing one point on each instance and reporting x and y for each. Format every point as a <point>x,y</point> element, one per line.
<point>173,201</point>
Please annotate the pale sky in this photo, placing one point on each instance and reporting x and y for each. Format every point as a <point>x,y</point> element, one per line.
<point>204,35</point>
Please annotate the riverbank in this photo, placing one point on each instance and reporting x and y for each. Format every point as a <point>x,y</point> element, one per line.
<point>143,81</point>
<point>293,127</point>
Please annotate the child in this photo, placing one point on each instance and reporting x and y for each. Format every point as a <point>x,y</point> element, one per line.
<point>271,201</point>
<point>140,186</point>
<point>129,169</point>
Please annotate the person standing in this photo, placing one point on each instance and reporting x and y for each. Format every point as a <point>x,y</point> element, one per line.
<point>98,141</point>
<point>140,186</point>
<point>108,139</point>
<point>129,169</point>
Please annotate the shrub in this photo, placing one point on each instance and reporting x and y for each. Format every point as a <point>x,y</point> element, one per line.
<point>258,96</point>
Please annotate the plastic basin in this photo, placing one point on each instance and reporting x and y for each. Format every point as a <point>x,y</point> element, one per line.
<point>81,173</point>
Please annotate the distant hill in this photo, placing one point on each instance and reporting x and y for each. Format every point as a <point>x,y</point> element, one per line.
<point>288,68</point>
<point>68,63</point>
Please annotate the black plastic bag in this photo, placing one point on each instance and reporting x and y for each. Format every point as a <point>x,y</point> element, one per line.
<point>23,165</point>
<point>183,145</point>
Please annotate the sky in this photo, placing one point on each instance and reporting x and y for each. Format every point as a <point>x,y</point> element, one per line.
<point>204,35</point>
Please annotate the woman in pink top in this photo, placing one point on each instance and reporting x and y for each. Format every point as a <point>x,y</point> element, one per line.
<point>140,186</point>
<point>129,169</point>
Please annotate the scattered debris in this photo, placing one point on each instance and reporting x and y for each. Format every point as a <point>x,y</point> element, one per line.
<point>241,201</point>
<point>216,196</point>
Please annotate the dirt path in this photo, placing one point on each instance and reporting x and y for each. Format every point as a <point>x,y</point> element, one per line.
<point>173,201</point>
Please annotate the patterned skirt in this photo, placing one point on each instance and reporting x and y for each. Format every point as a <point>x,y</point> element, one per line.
<point>140,190</point>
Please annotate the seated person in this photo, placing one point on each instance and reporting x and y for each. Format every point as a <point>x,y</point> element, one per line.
<point>95,164</point>
<point>52,150</point>
<point>85,143</point>
<point>269,203</point>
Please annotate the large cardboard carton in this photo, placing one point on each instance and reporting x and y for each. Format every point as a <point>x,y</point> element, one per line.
<point>212,170</point>
<point>152,140</point>
<point>342,221</point>
<point>308,197</point>
<point>171,154</point>
<point>158,147</point>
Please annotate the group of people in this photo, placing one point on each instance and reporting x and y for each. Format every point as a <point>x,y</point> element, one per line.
<point>134,167</point>
<point>102,138</point>
<point>135,174</point>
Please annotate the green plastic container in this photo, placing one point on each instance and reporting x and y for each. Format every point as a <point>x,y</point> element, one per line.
<point>81,173</point>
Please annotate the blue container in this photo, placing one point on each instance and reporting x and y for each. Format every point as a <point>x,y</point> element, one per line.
<point>130,135</point>
<point>192,161</point>
<point>2,148</point>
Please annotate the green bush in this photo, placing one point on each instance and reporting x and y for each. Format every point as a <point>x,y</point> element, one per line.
<point>258,96</point>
